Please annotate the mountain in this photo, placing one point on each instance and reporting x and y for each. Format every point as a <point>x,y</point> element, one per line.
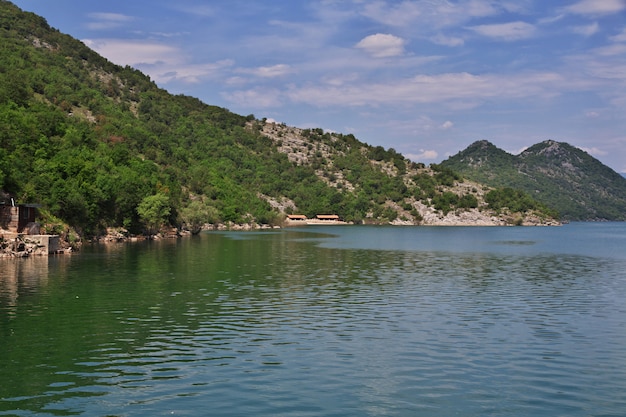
<point>101,146</point>
<point>557,174</point>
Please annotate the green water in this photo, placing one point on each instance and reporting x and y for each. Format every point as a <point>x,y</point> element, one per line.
<point>345,321</point>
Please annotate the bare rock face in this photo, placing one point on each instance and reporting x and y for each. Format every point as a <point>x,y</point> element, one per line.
<point>304,147</point>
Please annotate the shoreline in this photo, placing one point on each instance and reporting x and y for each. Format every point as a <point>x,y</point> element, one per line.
<point>14,245</point>
<point>19,245</point>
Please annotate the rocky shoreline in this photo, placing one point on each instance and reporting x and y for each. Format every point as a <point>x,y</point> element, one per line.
<point>465,218</point>
<point>119,234</point>
<point>21,246</point>
<point>477,217</point>
<point>13,245</point>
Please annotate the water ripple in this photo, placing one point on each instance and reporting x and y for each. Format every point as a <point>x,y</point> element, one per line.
<point>338,333</point>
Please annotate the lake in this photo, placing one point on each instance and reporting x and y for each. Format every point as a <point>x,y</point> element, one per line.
<point>322,321</point>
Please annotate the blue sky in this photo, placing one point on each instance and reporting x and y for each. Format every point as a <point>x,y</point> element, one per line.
<point>425,77</point>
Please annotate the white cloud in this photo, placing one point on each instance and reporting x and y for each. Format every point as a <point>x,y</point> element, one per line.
<point>518,151</point>
<point>382,45</point>
<point>104,21</point>
<point>188,73</point>
<point>615,71</point>
<point>587,30</point>
<point>268,72</point>
<point>236,81</point>
<point>620,37</point>
<point>604,68</point>
<point>424,154</point>
<point>431,14</point>
<point>550,19</point>
<point>114,17</point>
<point>196,10</point>
<point>453,89</point>
<point>133,52</point>
<point>341,79</point>
<point>401,14</point>
<point>162,62</point>
<point>447,125</point>
<point>479,8</point>
<point>594,151</point>
<point>596,7</point>
<point>616,50</point>
<point>511,31</point>
<point>255,98</point>
<point>447,40</point>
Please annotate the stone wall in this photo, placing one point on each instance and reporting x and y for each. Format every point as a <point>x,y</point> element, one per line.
<point>13,245</point>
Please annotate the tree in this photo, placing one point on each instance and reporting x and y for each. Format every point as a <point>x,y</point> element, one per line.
<point>196,214</point>
<point>154,211</point>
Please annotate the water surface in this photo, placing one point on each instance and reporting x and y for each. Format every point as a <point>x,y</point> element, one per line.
<point>322,321</point>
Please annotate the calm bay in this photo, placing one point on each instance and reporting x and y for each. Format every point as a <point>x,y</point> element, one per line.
<point>322,321</point>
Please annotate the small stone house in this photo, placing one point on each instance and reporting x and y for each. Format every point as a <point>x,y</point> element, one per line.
<point>19,218</point>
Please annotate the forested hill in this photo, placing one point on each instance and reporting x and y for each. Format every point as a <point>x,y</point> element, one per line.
<point>561,176</point>
<point>98,145</point>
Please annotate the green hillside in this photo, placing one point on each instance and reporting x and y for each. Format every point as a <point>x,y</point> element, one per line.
<point>99,145</point>
<point>559,175</point>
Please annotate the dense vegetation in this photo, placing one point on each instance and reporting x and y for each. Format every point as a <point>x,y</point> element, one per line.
<point>99,145</point>
<point>91,141</point>
<point>513,200</point>
<point>559,175</point>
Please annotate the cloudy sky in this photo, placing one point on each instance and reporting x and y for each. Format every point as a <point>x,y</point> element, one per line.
<point>425,77</point>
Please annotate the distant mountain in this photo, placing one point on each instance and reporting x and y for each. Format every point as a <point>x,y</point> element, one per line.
<point>557,174</point>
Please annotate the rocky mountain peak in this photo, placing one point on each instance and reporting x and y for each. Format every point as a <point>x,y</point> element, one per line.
<point>558,174</point>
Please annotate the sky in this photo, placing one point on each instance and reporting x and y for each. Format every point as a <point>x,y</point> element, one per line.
<point>424,77</point>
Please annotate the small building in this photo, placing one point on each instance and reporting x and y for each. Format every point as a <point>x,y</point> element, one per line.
<point>327,217</point>
<point>296,217</point>
<point>19,218</point>
<point>296,220</point>
<point>20,233</point>
<point>320,219</point>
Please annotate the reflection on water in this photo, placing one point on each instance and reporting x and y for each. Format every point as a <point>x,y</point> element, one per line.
<point>306,323</point>
<point>20,278</point>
